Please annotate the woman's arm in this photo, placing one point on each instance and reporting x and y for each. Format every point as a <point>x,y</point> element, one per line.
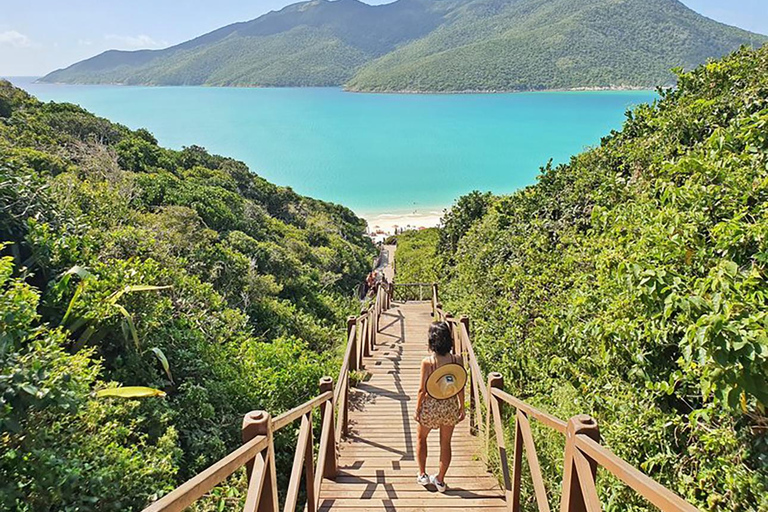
<point>422,388</point>
<point>462,398</point>
<point>462,405</point>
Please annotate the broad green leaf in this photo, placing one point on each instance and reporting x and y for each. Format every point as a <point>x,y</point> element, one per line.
<point>163,361</point>
<point>131,325</point>
<point>130,392</point>
<point>145,288</point>
<point>78,271</point>
<point>75,296</point>
<point>86,336</point>
<point>135,288</point>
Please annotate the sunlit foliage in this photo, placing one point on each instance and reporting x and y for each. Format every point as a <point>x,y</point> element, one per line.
<point>128,264</point>
<point>630,284</point>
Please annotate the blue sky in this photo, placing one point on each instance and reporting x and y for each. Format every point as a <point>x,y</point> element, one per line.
<point>38,36</point>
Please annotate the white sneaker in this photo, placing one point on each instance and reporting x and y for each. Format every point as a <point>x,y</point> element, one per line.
<point>440,486</point>
<point>422,479</point>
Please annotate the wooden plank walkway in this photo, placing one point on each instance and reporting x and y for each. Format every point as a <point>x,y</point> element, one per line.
<point>377,464</point>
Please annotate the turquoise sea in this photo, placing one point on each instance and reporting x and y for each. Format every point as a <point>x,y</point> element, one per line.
<point>375,153</point>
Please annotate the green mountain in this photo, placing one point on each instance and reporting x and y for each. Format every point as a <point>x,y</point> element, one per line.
<point>501,45</point>
<point>316,43</point>
<point>435,45</point>
<point>125,263</point>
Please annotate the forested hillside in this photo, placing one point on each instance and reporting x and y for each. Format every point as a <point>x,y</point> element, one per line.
<point>501,45</point>
<point>123,263</point>
<point>631,284</point>
<point>435,46</point>
<point>314,43</point>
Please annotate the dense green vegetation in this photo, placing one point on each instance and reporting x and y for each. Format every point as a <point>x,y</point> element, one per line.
<point>435,45</point>
<point>126,264</point>
<point>417,260</point>
<point>630,284</point>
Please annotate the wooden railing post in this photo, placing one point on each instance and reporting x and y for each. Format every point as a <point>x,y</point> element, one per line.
<point>262,473</point>
<point>353,366</point>
<point>303,458</point>
<point>383,296</point>
<point>362,320</point>
<point>367,334</point>
<point>573,499</point>
<point>474,412</point>
<point>464,319</point>
<point>452,327</point>
<point>353,359</point>
<point>511,490</point>
<point>327,453</point>
<point>374,328</point>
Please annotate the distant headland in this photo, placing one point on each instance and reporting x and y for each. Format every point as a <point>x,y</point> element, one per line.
<point>429,46</point>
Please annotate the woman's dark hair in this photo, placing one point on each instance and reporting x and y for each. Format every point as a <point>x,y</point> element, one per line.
<point>440,341</point>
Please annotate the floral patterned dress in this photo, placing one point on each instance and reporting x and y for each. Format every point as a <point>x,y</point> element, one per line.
<point>437,413</point>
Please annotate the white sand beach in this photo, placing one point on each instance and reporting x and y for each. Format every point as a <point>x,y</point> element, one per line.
<point>413,219</point>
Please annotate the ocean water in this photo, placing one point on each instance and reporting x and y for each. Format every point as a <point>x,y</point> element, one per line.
<point>376,153</point>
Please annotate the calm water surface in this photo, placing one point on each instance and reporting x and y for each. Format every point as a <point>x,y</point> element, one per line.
<point>372,152</point>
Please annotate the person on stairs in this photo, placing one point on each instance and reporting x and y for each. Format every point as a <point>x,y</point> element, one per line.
<point>440,401</point>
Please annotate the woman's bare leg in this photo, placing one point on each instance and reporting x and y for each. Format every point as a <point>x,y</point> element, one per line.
<point>421,448</point>
<point>446,433</point>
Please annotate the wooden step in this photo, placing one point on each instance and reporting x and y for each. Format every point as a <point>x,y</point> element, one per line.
<point>377,466</point>
<point>433,500</point>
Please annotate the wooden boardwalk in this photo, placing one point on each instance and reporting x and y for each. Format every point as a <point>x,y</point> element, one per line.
<point>377,464</point>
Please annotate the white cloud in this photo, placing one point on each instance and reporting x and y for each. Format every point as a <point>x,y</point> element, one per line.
<point>135,42</point>
<point>15,39</point>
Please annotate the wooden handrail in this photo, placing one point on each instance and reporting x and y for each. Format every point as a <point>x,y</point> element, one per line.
<point>251,452</point>
<point>587,484</point>
<point>547,419</point>
<point>348,357</point>
<point>257,452</point>
<point>421,287</point>
<point>650,489</point>
<point>194,488</point>
<point>583,452</point>
<point>289,417</point>
<point>474,366</point>
<point>188,492</point>
<point>361,338</point>
<point>302,457</point>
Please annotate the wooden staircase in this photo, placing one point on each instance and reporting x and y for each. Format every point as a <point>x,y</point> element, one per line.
<point>365,460</point>
<point>377,465</point>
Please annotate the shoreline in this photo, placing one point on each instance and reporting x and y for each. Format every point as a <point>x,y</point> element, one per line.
<point>610,88</point>
<point>385,222</point>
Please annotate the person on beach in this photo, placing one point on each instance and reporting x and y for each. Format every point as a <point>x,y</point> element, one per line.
<point>440,401</point>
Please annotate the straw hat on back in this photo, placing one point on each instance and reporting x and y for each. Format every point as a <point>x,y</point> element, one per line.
<point>446,381</point>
